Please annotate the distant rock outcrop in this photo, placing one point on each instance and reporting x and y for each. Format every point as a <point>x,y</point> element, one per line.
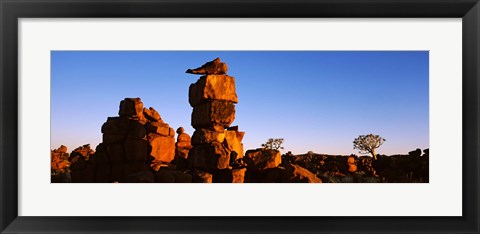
<point>411,168</point>
<point>82,166</point>
<point>59,160</point>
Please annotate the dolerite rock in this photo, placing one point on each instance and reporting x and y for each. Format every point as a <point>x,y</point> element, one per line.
<point>201,177</point>
<point>213,67</point>
<point>209,157</point>
<point>135,142</point>
<point>82,170</point>
<point>238,175</point>
<point>62,149</point>
<point>131,107</point>
<point>102,164</point>
<point>261,159</point>
<point>213,87</point>
<point>215,112</point>
<point>143,176</point>
<point>152,114</point>
<point>159,128</point>
<point>162,148</point>
<point>59,160</point>
<point>121,127</point>
<point>136,150</point>
<point>171,175</point>
<point>115,152</point>
<point>426,152</point>
<point>415,153</point>
<point>297,174</point>
<point>183,145</point>
<point>81,152</point>
<point>206,136</point>
<point>229,175</point>
<point>233,142</point>
<point>352,167</point>
<point>215,150</point>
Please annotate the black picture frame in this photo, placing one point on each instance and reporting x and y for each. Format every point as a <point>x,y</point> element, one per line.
<point>11,11</point>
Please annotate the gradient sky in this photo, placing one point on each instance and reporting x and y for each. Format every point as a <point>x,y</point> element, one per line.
<point>315,100</point>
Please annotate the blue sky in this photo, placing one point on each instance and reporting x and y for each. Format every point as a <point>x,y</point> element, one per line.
<point>315,100</point>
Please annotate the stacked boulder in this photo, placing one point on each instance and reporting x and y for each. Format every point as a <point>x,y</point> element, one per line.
<point>182,147</point>
<point>216,145</point>
<point>352,167</point>
<point>136,141</point>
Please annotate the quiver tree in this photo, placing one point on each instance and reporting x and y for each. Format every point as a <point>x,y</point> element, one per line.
<point>368,144</point>
<point>274,144</point>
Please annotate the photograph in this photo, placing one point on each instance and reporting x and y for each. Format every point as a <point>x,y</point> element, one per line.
<point>231,116</point>
<point>239,116</point>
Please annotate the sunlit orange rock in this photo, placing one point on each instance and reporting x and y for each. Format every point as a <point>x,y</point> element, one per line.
<point>238,175</point>
<point>159,128</point>
<point>183,145</point>
<point>152,115</point>
<point>212,87</point>
<point>59,159</point>
<point>162,147</point>
<point>206,136</point>
<point>297,174</point>
<point>352,168</point>
<point>261,159</point>
<point>233,143</point>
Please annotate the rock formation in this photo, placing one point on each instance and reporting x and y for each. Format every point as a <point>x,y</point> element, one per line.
<point>59,160</point>
<point>214,67</point>
<point>82,166</point>
<point>352,167</point>
<point>261,159</point>
<point>216,145</point>
<point>182,147</point>
<point>134,143</point>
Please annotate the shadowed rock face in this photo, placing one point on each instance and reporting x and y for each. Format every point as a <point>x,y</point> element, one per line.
<point>209,157</point>
<point>220,113</point>
<point>82,168</point>
<point>131,107</point>
<point>214,67</point>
